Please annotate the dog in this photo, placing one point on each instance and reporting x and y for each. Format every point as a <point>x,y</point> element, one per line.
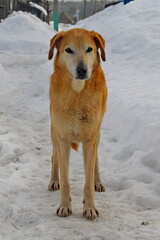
<point>78,95</point>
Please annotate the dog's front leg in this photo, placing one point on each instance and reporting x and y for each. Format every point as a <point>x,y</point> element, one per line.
<point>89,155</point>
<point>65,208</point>
<point>99,187</point>
<point>54,181</point>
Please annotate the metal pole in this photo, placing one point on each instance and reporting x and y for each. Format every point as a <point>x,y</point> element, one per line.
<point>55,15</point>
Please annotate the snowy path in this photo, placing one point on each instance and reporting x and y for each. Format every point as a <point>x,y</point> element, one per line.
<point>27,208</point>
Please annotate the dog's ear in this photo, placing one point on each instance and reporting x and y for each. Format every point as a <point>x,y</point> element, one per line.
<point>55,42</point>
<point>100,43</point>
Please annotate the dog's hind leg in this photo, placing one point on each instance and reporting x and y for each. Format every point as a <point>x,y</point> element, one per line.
<point>99,187</point>
<point>54,181</point>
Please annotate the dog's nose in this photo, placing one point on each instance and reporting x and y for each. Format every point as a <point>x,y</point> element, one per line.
<point>81,72</point>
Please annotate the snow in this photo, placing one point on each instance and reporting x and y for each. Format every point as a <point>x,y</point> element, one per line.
<point>130,135</point>
<point>24,33</point>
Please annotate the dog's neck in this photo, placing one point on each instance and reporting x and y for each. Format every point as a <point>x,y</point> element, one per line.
<point>78,85</point>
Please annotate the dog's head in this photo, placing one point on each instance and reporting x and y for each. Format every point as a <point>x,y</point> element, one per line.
<point>77,50</point>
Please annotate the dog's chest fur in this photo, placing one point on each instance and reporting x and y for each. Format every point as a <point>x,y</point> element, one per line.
<point>77,115</point>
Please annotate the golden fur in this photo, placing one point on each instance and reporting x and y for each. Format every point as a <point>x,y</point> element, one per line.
<point>78,96</point>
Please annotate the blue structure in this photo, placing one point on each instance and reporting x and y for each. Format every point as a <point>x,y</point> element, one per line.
<point>126,1</point>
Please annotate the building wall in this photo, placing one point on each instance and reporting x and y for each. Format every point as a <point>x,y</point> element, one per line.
<point>4,8</point>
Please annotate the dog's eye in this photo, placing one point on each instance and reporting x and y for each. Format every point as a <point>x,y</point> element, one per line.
<point>89,49</point>
<point>68,50</point>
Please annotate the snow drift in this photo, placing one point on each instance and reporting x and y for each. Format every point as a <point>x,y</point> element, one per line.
<point>24,33</point>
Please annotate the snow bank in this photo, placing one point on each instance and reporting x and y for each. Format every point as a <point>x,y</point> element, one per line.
<point>41,79</point>
<point>37,94</point>
<point>24,33</point>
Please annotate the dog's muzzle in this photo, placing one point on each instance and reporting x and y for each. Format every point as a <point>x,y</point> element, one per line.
<point>81,71</point>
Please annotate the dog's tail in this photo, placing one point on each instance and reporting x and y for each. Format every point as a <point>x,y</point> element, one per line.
<point>74,146</point>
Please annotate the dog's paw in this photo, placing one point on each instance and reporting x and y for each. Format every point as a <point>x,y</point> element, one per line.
<point>53,186</point>
<point>99,187</point>
<point>90,213</point>
<point>64,211</point>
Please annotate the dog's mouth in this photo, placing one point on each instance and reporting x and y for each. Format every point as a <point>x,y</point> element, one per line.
<point>82,78</point>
